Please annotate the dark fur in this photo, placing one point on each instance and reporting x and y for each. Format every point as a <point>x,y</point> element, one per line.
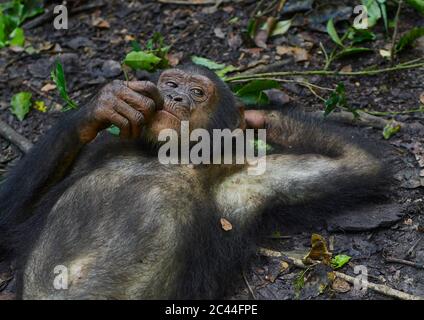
<point>179,224</point>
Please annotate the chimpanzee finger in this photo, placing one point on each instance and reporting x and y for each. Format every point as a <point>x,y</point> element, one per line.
<point>148,89</point>
<point>255,119</point>
<point>137,101</point>
<point>122,123</point>
<point>135,117</point>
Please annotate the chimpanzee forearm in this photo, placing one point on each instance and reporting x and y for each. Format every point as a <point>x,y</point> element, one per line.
<point>45,164</point>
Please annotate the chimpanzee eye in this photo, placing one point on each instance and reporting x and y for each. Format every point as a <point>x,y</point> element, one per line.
<point>198,92</point>
<point>171,84</point>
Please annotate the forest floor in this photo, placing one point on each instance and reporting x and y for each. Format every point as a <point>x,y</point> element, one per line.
<point>97,40</point>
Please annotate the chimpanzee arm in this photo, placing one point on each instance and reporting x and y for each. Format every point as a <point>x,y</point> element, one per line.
<point>49,161</point>
<point>319,163</point>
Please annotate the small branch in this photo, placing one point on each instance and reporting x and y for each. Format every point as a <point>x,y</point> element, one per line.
<point>17,139</point>
<point>324,73</point>
<point>48,15</point>
<point>395,31</point>
<point>405,262</point>
<point>252,293</point>
<point>380,288</point>
<point>365,119</point>
<point>195,2</point>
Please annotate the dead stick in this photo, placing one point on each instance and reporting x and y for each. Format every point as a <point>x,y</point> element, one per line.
<point>380,288</point>
<point>195,2</point>
<point>366,119</point>
<point>17,139</point>
<point>405,262</point>
<point>248,286</point>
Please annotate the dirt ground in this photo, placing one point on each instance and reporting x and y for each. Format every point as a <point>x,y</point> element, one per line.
<point>91,54</point>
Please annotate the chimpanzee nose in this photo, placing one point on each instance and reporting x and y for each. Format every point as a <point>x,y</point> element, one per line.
<point>175,97</point>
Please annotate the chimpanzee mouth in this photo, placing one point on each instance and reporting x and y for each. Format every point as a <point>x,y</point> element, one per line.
<point>169,114</point>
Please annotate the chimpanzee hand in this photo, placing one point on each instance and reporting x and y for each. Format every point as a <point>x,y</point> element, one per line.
<point>127,105</point>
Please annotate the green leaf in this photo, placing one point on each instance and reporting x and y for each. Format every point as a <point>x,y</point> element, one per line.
<point>359,36</point>
<point>142,60</point>
<point>408,38</point>
<point>21,104</point>
<point>58,77</point>
<point>221,73</point>
<point>252,27</point>
<point>339,261</point>
<point>351,51</point>
<point>17,37</point>
<point>390,129</point>
<point>2,29</point>
<point>337,99</point>
<point>417,5</point>
<point>281,27</point>
<point>114,130</point>
<point>135,46</point>
<point>252,93</point>
<point>331,30</point>
<point>212,65</point>
<point>383,10</point>
<point>260,144</point>
<point>374,12</point>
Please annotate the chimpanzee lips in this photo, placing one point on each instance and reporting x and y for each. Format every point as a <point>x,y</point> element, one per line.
<point>168,113</point>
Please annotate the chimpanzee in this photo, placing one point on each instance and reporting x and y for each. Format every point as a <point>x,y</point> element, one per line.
<point>106,218</point>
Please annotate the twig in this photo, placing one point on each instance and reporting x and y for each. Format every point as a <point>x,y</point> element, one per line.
<point>395,31</point>
<point>195,2</point>
<point>47,16</point>
<point>248,286</point>
<point>380,288</point>
<point>17,139</point>
<point>364,118</point>
<point>405,262</point>
<point>412,249</point>
<point>323,73</point>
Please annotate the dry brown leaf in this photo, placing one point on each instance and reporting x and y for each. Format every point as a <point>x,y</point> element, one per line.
<point>101,23</point>
<point>422,98</point>
<point>283,266</point>
<point>340,285</point>
<point>48,87</point>
<point>298,53</point>
<point>129,38</point>
<point>319,251</point>
<point>347,68</point>
<point>174,58</point>
<point>408,222</point>
<point>226,225</point>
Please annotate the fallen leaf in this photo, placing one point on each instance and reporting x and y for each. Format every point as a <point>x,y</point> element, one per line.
<point>40,106</point>
<point>340,285</point>
<point>298,53</point>
<point>100,23</point>
<point>283,266</point>
<point>225,224</point>
<point>318,250</point>
<point>385,53</point>
<point>129,38</point>
<point>347,68</point>
<point>174,58</point>
<point>219,33</point>
<point>408,222</point>
<point>48,87</point>
<point>422,98</point>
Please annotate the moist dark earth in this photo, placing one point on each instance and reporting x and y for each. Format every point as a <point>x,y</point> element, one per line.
<point>98,39</point>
